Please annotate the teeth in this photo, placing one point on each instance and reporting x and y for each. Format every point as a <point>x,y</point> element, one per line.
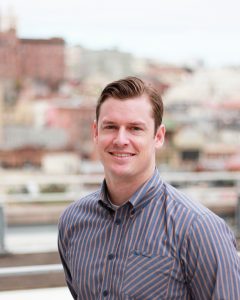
<point>122,154</point>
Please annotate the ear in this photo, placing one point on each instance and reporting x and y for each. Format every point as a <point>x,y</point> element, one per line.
<point>95,131</point>
<point>159,137</point>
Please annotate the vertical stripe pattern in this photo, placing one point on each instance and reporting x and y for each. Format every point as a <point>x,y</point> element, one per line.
<point>159,245</point>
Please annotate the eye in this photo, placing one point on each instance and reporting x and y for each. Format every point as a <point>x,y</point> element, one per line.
<point>136,128</point>
<point>109,127</point>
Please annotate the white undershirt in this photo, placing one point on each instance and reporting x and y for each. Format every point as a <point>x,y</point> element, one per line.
<point>114,206</point>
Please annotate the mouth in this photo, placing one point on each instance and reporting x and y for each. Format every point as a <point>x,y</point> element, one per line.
<point>121,155</point>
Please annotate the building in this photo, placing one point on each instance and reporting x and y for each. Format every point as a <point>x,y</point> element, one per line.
<point>75,117</point>
<point>38,59</point>
<point>42,59</point>
<point>24,146</point>
<point>9,59</point>
<point>82,63</point>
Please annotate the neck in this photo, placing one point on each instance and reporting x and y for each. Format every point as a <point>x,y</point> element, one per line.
<point>120,191</point>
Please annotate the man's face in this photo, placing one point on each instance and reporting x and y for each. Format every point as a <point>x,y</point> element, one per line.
<point>125,139</point>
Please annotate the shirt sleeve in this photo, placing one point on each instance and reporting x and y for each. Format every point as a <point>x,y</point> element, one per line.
<point>68,276</point>
<point>212,265</point>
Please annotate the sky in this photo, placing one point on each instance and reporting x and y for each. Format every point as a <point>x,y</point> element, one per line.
<point>171,31</point>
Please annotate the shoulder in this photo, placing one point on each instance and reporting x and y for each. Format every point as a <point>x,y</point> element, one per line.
<point>210,229</point>
<point>198,226</point>
<point>202,232</point>
<point>200,214</point>
<point>83,205</point>
<point>192,218</point>
<point>178,200</point>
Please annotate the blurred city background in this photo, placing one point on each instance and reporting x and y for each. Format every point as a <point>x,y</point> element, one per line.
<point>55,57</point>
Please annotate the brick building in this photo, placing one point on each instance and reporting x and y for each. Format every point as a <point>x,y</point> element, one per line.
<point>24,146</point>
<point>39,59</point>
<point>76,119</point>
<point>9,59</point>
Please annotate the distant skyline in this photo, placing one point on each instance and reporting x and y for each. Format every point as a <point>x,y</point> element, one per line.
<point>173,31</point>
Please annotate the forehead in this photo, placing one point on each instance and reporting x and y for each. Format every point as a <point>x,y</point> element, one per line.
<point>137,107</point>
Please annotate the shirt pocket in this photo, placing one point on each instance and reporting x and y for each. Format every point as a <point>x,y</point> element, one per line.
<point>147,275</point>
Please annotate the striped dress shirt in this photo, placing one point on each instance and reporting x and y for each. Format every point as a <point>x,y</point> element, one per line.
<point>159,245</point>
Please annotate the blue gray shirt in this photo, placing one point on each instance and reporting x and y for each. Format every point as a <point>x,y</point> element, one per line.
<point>159,245</point>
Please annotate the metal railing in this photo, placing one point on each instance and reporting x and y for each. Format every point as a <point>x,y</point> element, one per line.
<point>86,182</point>
<point>34,270</point>
<point>2,230</point>
<point>30,270</point>
<point>12,179</point>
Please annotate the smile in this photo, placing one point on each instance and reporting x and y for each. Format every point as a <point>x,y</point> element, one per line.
<point>121,154</point>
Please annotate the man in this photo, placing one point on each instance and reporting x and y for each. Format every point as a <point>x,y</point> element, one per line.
<point>138,237</point>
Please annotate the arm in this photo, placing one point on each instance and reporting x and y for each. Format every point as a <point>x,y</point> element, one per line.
<point>211,261</point>
<point>68,276</point>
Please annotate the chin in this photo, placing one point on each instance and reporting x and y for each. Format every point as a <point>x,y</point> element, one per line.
<point>120,172</point>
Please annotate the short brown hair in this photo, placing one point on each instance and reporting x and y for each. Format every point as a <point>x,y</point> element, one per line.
<point>131,87</point>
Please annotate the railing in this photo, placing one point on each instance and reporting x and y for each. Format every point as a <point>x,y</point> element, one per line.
<point>2,230</point>
<point>30,270</point>
<point>34,270</point>
<point>12,179</point>
<point>86,183</point>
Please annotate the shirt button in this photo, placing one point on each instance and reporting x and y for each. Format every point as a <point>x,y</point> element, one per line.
<point>111,256</point>
<point>105,293</point>
<point>118,221</point>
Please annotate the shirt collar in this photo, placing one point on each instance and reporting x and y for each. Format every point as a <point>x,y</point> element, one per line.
<point>103,197</point>
<point>144,194</point>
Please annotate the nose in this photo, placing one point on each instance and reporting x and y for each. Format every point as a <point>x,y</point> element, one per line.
<point>121,138</point>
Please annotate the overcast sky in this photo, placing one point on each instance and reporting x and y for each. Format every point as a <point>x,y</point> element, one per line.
<point>178,31</point>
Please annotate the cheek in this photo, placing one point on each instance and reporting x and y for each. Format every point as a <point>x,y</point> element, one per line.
<point>146,142</point>
<point>148,146</point>
<point>104,141</point>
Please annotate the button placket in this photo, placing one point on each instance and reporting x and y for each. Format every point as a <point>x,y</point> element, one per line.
<point>111,256</point>
<point>132,213</point>
<point>114,239</point>
<point>105,293</point>
<point>118,221</point>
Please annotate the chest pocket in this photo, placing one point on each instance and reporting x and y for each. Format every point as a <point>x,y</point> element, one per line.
<point>147,275</point>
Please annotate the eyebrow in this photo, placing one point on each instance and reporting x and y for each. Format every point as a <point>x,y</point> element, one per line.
<point>107,122</point>
<point>137,123</point>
